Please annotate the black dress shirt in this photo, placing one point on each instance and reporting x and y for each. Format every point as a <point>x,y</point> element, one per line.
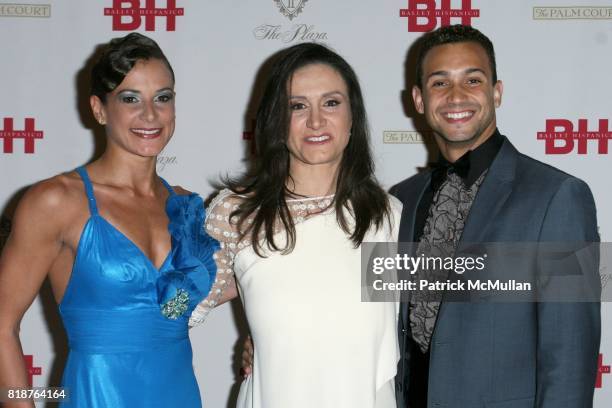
<point>479,160</point>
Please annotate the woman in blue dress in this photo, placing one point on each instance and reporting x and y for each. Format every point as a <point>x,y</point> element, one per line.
<point>125,252</point>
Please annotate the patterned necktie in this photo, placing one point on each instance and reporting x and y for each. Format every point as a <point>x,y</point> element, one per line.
<point>443,228</point>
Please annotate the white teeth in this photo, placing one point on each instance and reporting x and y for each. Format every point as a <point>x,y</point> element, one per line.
<point>146,132</point>
<point>459,115</point>
<point>318,139</point>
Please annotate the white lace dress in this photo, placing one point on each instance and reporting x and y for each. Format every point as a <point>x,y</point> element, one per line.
<point>316,344</point>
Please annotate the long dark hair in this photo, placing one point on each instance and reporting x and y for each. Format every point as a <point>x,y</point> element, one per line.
<point>264,186</point>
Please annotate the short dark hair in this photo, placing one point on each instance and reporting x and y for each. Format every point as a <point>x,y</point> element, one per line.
<point>457,33</point>
<point>118,58</point>
<point>265,185</point>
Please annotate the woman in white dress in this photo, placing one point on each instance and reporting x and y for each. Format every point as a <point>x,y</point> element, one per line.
<point>290,234</point>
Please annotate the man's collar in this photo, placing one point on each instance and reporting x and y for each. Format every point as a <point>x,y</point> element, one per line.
<point>473,163</point>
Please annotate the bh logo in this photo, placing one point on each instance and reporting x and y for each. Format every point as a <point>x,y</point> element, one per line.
<point>29,135</point>
<point>601,370</point>
<point>560,136</point>
<point>423,15</point>
<point>31,371</point>
<point>128,14</point>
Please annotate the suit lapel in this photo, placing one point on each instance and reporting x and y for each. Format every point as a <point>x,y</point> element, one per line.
<point>411,204</point>
<point>492,194</point>
<point>411,200</point>
<point>490,199</point>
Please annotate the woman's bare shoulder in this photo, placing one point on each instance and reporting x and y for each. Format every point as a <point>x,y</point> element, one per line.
<point>52,203</point>
<point>61,192</point>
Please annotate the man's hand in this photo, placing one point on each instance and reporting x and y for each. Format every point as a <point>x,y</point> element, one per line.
<point>247,357</point>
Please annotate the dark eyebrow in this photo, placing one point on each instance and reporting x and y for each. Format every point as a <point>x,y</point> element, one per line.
<point>325,95</point>
<point>438,73</point>
<point>467,71</point>
<point>129,90</point>
<point>138,92</point>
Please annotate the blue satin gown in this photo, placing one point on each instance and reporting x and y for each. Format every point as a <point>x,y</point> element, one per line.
<point>127,321</point>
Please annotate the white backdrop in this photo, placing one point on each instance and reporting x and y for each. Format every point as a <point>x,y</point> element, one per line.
<point>554,57</point>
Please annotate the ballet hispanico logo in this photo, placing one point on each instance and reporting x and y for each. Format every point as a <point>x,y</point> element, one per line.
<point>29,135</point>
<point>127,14</point>
<point>25,10</point>
<point>423,15</point>
<point>290,8</point>
<point>601,370</point>
<point>560,136</point>
<point>31,370</point>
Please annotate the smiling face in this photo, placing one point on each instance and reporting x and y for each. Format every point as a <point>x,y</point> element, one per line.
<point>458,96</point>
<point>320,121</point>
<point>139,114</point>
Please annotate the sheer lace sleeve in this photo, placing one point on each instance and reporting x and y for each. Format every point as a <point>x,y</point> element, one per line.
<point>218,226</point>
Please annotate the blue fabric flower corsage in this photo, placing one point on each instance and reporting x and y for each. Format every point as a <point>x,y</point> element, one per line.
<point>193,271</point>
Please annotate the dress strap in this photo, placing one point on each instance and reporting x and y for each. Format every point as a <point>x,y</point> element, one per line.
<point>168,186</point>
<point>91,199</point>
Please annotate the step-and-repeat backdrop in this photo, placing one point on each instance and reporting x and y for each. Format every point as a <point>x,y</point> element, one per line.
<point>554,57</point>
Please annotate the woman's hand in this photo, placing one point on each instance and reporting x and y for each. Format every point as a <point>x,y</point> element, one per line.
<point>247,357</point>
